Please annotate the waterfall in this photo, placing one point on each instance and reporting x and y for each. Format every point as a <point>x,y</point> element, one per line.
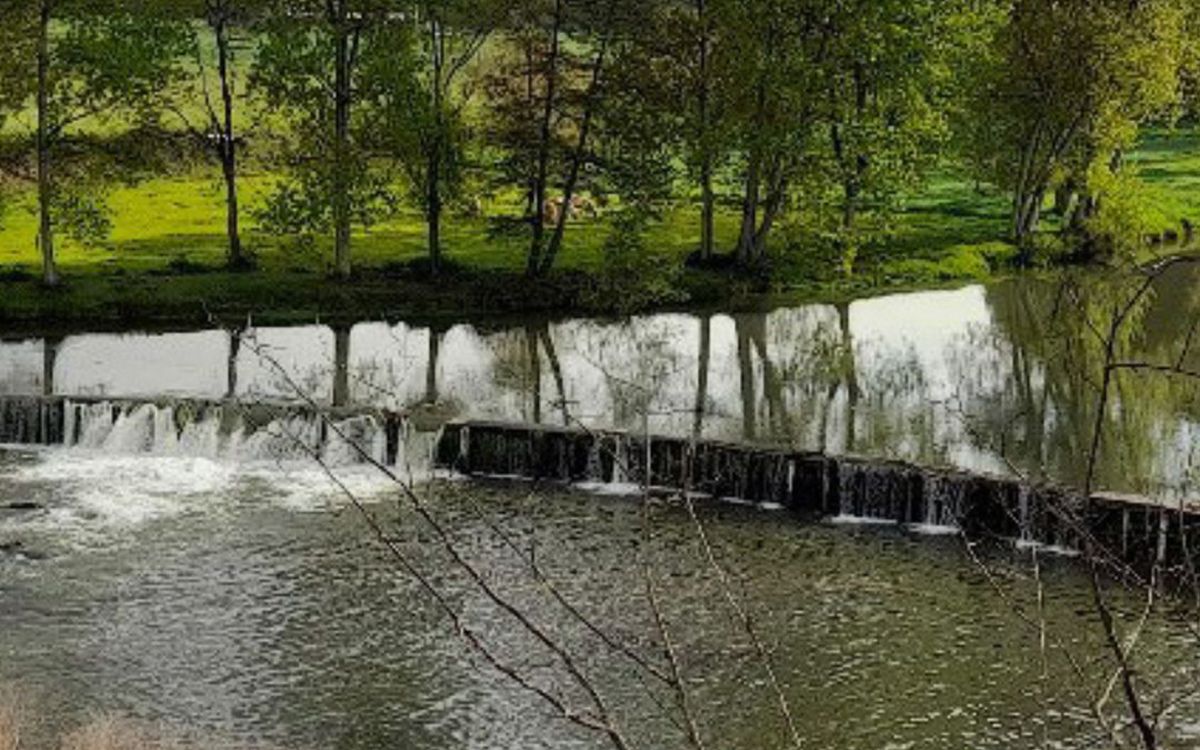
<point>216,431</point>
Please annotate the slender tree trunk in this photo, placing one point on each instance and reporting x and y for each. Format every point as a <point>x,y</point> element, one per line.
<point>538,217</point>
<point>708,210</point>
<point>1027,198</point>
<point>341,182</point>
<point>237,258</point>
<point>1028,217</point>
<point>45,184</point>
<point>746,239</point>
<point>530,99</point>
<point>433,171</point>
<point>577,158</point>
<point>707,199</point>
<point>433,210</point>
<point>772,207</point>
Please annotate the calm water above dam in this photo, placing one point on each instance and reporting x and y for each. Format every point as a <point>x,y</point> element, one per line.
<point>993,379</point>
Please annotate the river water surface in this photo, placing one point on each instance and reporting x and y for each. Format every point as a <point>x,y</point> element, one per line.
<point>992,379</point>
<point>233,608</point>
<point>239,601</point>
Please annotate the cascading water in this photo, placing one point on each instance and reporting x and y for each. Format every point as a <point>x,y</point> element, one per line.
<point>219,432</point>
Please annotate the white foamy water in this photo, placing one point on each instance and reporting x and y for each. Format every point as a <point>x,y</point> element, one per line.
<point>123,467</point>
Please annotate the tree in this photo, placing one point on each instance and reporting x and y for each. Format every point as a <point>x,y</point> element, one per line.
<point>310,68</point>
<point>214,50</point>
<point>1068,85</point>
<point>79,61</point>
<point>772,64</point>
<point>688,45</point>
<point>887,73</point>
<point>556,56</point>
<point>420,99</point>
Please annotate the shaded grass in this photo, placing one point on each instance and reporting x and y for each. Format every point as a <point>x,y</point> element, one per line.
<point>163,261</point>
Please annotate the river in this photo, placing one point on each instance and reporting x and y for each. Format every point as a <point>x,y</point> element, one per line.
<point>239,601</point>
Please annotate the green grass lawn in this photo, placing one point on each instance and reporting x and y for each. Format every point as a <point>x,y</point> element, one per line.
<point>163,259</point>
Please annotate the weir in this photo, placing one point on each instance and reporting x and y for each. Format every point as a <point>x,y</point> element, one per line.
<point>1133,530</point>
<point>203,428</point>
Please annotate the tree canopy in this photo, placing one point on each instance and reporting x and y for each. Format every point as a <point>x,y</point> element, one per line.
<point>811,121</point>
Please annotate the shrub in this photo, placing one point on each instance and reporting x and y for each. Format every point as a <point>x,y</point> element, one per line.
<point>631,277</point>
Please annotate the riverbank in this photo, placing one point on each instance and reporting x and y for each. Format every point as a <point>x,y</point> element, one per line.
<point>161,264</point>
<point>153,300</point>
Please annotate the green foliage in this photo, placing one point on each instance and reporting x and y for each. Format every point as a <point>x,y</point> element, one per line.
<point>83,215</point>
<point>296,74</point>
<point>1066,88</point>
<point>961,263</point>
<point>832,135</point>
<point>888,70</point>
<point>632,278</point>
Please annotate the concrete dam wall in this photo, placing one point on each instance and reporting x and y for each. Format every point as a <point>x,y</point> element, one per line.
<point>1134,530</point>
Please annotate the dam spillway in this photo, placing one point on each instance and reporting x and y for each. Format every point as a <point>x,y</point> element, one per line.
<point>1134,530</point>
<point>226,429</point>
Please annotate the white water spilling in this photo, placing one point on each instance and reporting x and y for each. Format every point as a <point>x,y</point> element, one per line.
<point>115,466</point>
<point>222,433</point>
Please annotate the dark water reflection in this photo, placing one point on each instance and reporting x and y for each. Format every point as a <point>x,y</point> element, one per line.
<point>990,378</point>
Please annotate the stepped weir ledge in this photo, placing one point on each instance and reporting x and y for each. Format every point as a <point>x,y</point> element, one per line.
<point>1137,529</point>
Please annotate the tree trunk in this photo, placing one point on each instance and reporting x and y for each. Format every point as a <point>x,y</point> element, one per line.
<point>1026,221</point>
<point>771,209</point>
<point>748,239</point>
<point>708,231</point>
<point>707,200</point>
<point>433,210</point>
<point>45,184</point>
<point>228,145</point>
<point>341,182</point>
<point>433,170</point>
<point>577,158</point>
<point>749,232</point>
<point>541,176</point>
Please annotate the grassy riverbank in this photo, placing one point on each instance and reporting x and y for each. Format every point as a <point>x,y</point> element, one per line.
<point>162,263</point>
